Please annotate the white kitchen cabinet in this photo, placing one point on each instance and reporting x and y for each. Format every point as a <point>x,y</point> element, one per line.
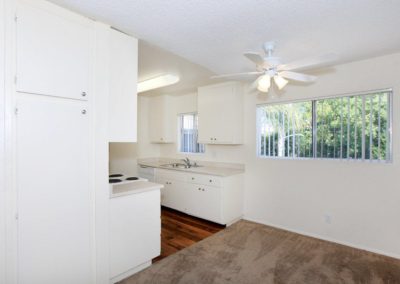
<point>214,198</point>
<point>123,87</point>
<point>54,51</point>
<point>162,120</point>
<point>54,193</point>
<point>204,202</point>
<point>172,195</point>
<point>135,229</point>
<point>220,112</point>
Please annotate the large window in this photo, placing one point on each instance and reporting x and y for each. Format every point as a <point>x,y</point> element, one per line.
<point>349,127</point>
<point>188,134</point>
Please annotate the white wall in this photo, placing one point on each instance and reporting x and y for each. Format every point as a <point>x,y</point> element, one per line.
<point>102,197</point>
<point>2,151</point>
<point>361,198</point>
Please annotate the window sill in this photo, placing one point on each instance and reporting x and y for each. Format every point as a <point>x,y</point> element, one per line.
<point>327,159</point>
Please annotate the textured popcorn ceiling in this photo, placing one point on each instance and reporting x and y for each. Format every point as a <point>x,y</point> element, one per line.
<point>215,33</point>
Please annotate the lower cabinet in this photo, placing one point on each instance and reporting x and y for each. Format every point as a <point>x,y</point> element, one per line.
<point>204,202</point>
<point>214,198</point>
<point>135,229</point>
<point>172,194</point>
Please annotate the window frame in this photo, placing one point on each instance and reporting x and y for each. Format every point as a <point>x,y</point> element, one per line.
<point>179,132</point>
<point>314,100</point>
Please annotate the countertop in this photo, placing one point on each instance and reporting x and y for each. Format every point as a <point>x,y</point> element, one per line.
<point>133,188</point>
<point>208,168</point>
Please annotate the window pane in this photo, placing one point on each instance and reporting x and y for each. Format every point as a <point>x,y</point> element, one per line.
<point>285,130</point>
<point>354,127</point>
<point>188,134</point>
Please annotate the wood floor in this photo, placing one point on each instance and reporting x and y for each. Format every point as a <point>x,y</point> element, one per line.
<point>179,231</point>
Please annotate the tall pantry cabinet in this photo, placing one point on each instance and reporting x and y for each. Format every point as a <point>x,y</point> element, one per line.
<point>54,56</point>
<point>57,114</point>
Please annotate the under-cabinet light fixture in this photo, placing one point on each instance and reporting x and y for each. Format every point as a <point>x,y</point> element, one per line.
<point>157,82</point>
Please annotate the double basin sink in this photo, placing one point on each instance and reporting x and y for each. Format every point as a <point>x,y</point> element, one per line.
<point>180,166</point>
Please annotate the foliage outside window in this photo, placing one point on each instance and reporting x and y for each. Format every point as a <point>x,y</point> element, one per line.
<point>350,127</point>
<point>189,134</point>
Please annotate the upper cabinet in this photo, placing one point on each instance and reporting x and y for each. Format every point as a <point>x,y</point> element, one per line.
<point>54,52</point>
<point>162,120</point>
<point>220,112</point>
<point>123,87</point>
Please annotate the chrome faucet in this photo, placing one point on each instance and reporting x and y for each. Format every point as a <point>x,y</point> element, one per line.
<point>187,162</point>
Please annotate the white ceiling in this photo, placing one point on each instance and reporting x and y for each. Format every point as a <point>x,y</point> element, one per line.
<point>214,34</point>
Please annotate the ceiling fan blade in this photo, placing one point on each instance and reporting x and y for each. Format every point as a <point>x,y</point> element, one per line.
<point>308,63</point>
<point>238,76</point>
<point>255,57</point>
<point>297,76</point>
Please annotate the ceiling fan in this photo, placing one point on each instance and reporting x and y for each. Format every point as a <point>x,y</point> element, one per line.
<point>270,67</point>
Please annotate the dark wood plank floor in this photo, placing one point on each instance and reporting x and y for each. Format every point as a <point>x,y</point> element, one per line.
<point>179,230</point>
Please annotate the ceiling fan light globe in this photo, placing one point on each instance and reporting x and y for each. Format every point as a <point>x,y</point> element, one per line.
<point>263,90</point>
<point>280,82</point>
<point>263,84</point>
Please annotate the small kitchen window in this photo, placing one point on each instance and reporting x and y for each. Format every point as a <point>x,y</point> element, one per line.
<point>188,134</point>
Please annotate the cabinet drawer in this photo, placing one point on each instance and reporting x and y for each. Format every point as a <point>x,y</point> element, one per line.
<point>170,175</point>
<point>204,180</point>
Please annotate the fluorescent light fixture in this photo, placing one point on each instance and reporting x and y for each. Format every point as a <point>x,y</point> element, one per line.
<point>280,81</point>
<point>264,83</point>
<point>157,82</point>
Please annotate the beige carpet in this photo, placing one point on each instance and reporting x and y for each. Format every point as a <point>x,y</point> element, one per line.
<point>248,252</point>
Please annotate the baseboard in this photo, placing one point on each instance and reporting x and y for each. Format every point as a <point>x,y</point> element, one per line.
<point>377,251</point>
<point>130,272</point>
<point>230,223</point>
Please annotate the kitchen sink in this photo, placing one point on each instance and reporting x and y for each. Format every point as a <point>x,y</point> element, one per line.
<point>180,166</point>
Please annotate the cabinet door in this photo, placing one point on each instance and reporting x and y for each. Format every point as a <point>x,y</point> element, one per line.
<point>173,194</point>
<point>54,196</point>
<point>214,111</point>
<point>123,88</point>
<point>161,120</point>
<point>54,52</point>
<point>205,202</point>
<point>135,229</point>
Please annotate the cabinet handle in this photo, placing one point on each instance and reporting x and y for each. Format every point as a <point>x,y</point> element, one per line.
<point>210,180</point>
<point>83,94</point>
<point>192,178</point>
<point>202,189</point>
<point>84,111</point>
<point>199,188</point>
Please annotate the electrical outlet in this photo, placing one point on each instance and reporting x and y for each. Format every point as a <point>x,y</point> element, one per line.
<point>328,219</point>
